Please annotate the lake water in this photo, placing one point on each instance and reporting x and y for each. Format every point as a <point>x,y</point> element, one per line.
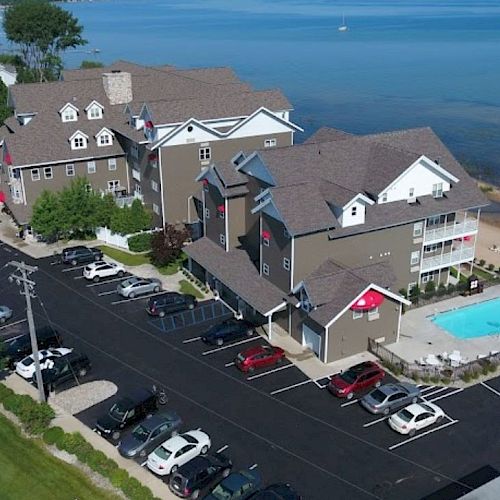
<point>401,64</point>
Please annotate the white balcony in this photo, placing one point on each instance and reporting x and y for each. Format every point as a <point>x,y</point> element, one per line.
<point>451,231</point>
<point>448,259</point>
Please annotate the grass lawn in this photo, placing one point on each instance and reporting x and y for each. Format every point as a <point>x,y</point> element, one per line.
<point>173,267</point>
<point>28,471</point>
<point>189,289</point>
<point>482,274</point>
<point>124,257</point>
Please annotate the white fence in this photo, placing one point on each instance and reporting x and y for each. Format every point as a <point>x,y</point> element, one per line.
<point>118,240</point>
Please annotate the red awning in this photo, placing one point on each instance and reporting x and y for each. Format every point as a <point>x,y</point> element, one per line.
<point>370,300</point>
<point>152,157</point>
<point>266,235</point>
<point>2,197</point>
<point>149,124</point>
<point>221,208</point>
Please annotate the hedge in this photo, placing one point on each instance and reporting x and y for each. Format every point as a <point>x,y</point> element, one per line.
<point>140,242</point>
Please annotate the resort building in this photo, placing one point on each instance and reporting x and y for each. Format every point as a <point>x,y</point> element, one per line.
<point>135,131</point>
<point>323,238</point>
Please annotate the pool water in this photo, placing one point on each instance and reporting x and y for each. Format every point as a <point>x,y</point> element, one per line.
<point>477,320</point>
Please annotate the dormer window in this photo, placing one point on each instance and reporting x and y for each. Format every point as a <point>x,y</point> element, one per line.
<point>104,137</point>
<point>354,211</point>
<point>69,113</point>
<point>78,140</point>
<point>94,111</point>
<point>437,190</point>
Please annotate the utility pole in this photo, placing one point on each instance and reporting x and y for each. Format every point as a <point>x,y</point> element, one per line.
<point>24,271</point>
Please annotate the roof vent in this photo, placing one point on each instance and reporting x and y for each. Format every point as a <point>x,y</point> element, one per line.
<point>412,200</point>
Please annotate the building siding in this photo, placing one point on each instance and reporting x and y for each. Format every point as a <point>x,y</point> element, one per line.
<point>215,226</point>
<point>236,220</point>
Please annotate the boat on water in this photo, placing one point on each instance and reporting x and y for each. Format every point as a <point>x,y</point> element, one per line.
<point>343,26</point>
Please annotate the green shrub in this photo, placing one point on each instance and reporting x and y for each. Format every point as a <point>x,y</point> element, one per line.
<point>53,435</point>
<point>451,288</point>
<point>34,416</point>
<point>134,490</point>
<point>118,477</point>
<point>435,379</point>
<point>492,367</point>
<point>74,442</point>
<point>426,379</point>
<point>482,262</point>
<point>415,376</point>
<point>491,267</point>
<point>441,289</point>
<point>5,391</point>
<point>466,376</point>
<point>446,380</point>
<point>475,374</point>
<point>96,459</point>
<point>140,242</point>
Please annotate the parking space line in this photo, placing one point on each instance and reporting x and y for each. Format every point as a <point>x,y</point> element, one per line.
<point>75,268</point>
<point>253,377</point>
<point>490,388</point>
<point>220,450</point>
<point>109,292</point>
<point>283,389</point>
<point>437,391</point>
<point>373,422</point>
<point>444,396</point>
<point>406,441</point>
<point>7,249</point>
<point>144,463</point>
<point>428,388</point>
<point>227,365</point>
<point>188,341</point>
<point>137,298</point>
<point>252,467</point>
<point>78,277</point>
<point>349,403</point>
<point>253,339</point>
<point>107,281</point>
<point>12,324</point>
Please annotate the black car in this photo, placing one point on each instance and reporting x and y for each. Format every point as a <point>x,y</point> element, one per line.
<point>231,329</point>
<point>126,412</point>
<point>170,302</point>
<point>80,254</point>
<point>199,474</point>
<point>237,486</point>
<point>279,491</point>
<point>18,347</point>
<point>72,366</point>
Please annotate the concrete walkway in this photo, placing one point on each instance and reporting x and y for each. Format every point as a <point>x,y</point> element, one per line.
<point>71,424</point>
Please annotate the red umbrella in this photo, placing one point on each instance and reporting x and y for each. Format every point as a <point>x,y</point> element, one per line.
<point>369,300</point>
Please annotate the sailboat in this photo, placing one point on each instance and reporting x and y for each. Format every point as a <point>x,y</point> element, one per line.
<point>343,26</point>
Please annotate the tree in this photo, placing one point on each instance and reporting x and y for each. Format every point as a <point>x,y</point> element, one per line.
<point>42,31</point>
<point>130,220</point>
<point>5,111</point>
<point>107,208</point>
<point>47,217</point>
<point>91,64</point>
<point>166,246</point>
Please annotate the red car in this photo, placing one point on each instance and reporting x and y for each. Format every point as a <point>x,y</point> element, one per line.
<point>355,379</point>
<point>259,357</point>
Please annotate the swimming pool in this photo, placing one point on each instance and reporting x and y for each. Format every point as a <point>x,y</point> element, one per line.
<point>477,320</point>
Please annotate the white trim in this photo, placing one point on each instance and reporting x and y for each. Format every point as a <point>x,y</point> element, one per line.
<point>325,346</point>
<point>103,131</point>
<point>292,261</point>
<point>260,244</point>
<point>399,321</point>
<point>277,308</point>
<point>359,196</point>
<point>61,111</point>
<point>298,286</point>
<point>262,194</point>
<point>25,201</point>
<point>79,132</point>
<point>99,105</point>
<point>260,206</point>
<point>226,223</point>
<point>161,190</point>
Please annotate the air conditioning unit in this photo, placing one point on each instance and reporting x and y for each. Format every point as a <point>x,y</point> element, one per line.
<point>413,199</point>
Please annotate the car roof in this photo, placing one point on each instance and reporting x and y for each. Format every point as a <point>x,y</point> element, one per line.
<point>255,350</point>
<point>196,464</point>
<point>416,409</point>
<point>135,396</point>
<point>389,389</point>
<point>158,418</point>
<point>236,479</point>
<point>77,247</point>
<point>71,356</point>
<point>365,365</point>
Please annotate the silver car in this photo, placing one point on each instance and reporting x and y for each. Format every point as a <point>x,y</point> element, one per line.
<point>390,397</point>
<point>5,313</point>
<point>134,286</point>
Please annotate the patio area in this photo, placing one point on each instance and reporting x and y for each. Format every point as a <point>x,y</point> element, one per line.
<point>422,342</point>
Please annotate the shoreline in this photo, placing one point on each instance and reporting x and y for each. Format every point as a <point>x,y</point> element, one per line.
<point>491,191</point>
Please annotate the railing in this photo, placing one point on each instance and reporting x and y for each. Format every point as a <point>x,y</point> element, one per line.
<point>452,231</point>
<point>448,259</point>
<point>136,174</point>
<point>125,201</point>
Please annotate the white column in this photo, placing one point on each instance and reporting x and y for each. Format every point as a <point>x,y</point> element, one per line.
<point>269,326</point>
<point>399,321</point>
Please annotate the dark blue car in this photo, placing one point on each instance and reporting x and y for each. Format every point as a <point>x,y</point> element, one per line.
<point>238,485</point>
<point>232,329</point>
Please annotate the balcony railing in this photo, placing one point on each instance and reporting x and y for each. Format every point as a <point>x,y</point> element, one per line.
<point>136,174</point>
<point>448,259</point>
<point>451,231</point>
<point>125,201</point>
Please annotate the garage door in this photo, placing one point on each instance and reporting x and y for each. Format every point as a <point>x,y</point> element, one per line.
<point>311,339</point>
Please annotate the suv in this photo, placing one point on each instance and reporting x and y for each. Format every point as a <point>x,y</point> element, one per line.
<point>126,412</point>
<point>232,329</point>
<point>278,491</point>
<point>355,379</point>
<point>17,348</point>
<point>80,254</point>
<point>170,302</point>
<point>238,485</point>
<point>72,366</point>
<point>199,474</point>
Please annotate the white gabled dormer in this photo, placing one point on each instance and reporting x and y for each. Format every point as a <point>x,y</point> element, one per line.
<point>69,113</point>
<point>94,111</point>
<point>423,178</point>
<point>104,137</point>
<point>354,211</point>
<point>79,140</point>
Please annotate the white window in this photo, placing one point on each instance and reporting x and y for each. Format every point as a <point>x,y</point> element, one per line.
<point>411,286</point>
<point>88,187</point>
<point>357,314</point>
<point>69,115</point>
<point>104,140</point>
<point>434,220</point>
<point>286,264</point>
<point>113,185</point>
<point>111,163</point>
<point>35,174</point>
<point>154,186</point>
<point>94,113</point>
<point>373,314</point>
<point>79,142</point>
<point>222,239</point>
<point>205,154</point>
<point>437,190</point>
<point>431,248</point>
<point>134,150</point>
<point>265,241</point>
<point>354,210</point>
<point>411,192</point>
<point>426,277</point>
<point>270,143</point>
<point>265,269</point>
<point>417,229</point>
<point>384,197</point>
<point>91,168</point>
<point>47,172</point>
<point>156,209</point>
<point>137,188</point>
<point>207,213</point>
<point>415,258</point>
<point>70,170</point>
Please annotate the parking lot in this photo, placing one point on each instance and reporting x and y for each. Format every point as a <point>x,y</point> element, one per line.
<point>276,419</point>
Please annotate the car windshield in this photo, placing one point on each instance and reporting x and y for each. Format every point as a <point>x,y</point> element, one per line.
<point>405,415</point>
<point>28,361</point>
<point>241,357</point>
<point>190,439</point>
<point>163,452</point>
<point>141,433</point>
<point>117,412</point>
<point>378,395</point>
<point>222,493</point>
<point>348,376</point>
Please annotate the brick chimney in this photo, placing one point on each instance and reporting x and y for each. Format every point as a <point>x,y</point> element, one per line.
<point>118,87</point>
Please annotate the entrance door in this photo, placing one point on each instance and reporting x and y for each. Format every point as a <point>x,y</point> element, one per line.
<point>311,339</point>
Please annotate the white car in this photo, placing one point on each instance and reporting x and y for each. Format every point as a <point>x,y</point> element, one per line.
<point>417,416</point>
<point>26,367</point>
<point>177,451</point>
<point>101,269</point>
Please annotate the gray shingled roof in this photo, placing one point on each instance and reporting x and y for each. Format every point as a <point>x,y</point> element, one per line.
<point>235,270</point>
<point>327,134</point>
<point>228,174</point>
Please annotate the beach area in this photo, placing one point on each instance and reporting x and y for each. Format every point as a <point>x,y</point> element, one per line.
<point>489,228</point>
